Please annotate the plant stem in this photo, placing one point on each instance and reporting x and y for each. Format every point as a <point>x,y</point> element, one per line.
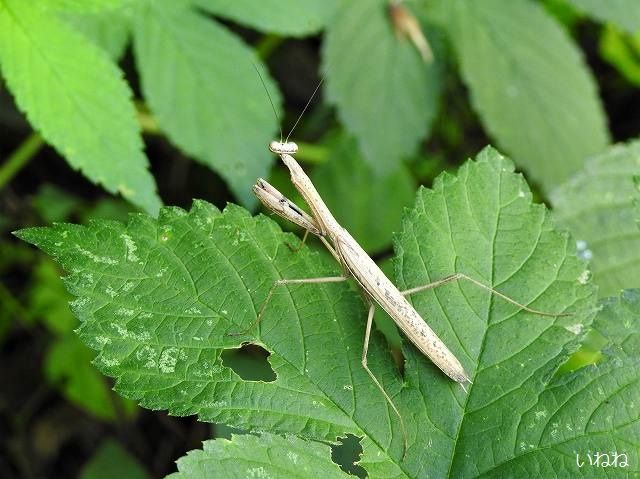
<point>148,122</point>
<point>267,44</point>
<point>19,158</point>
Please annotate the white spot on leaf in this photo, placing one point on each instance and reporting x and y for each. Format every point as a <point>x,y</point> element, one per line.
<point>168,360</point>
<point>257,473</point>
<point>94,257</point>
<point>131,248</point>
<point>574,328</point>
<point>584,277</point>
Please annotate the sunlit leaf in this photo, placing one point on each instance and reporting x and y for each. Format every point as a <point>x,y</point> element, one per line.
<point>157,299</point>
<point>388,97</point>
<point>597,205</point>
<point>529,84</point>
<point>200,82</point>
<point>624,13</point>
<point>284,17</point>
<point>53,72</point>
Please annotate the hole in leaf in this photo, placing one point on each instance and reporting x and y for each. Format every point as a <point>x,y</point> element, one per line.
<point>249,362</point>
<point>222,430</point>
<point>347,453</point>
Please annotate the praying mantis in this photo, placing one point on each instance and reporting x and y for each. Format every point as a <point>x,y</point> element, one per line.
<point>356,263</point>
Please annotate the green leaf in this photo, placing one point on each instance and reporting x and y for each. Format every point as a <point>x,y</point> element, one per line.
<point>619,321</point>
<point>67,365</point>
<point>68,368</point>
<point>112,461</point>
<point>157,299</point>
<point>53,72</point>
<point>368,205</point>
<point>200,82</point>
<point>597,206</point>
<point>622,51</point>
<point>85,6</point>
<point>483,223</point>
<point>53,203</point>
<point>624,13</point>
<point>387,98</point>
<point>284,17</point>
<point>594,410</point>
<point>109,30</point>
<point>49,301</point>
<point>108,209</point>
<point>529,84</point>
<point>265,456</point>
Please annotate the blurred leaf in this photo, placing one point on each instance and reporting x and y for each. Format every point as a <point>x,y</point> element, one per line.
<point>283,17</point>
<point>68,362</point>
<point>387,98</point>
<point>622,51</point>
<point>369,206</point>
<point>619,321</point>
<point>53,73</point>
<point>12,254</point>
<point>54,204</point>
<point>68,367</point>
<point>86,5</point>
<point>158,298</point>
<point>529,84</point>
<point>110,30</point>
<point>200,82</point>
<point>266,456</point>
<point>49,301</point>
<point>107,209</point>
<point>112,461</point>
<point>624,13</point>
<point>5,221</point>
<point>597,206</point>
<point>562,11</point>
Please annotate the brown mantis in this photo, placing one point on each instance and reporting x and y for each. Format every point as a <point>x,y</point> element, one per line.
<point>355,262</point>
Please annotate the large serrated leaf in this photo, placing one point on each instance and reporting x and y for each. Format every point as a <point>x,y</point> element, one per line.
<point>111,460</point>
<point>200,82</point>
<point>157,299</point>
<point>529,84</point>
<point>53,72</point>
<point>260,457</point>
<point>558,419</point>
<point>285,17</point>
<point>597,205</point>
<point>592,411</point>
<point>386,95</point>
<point>624,13</point>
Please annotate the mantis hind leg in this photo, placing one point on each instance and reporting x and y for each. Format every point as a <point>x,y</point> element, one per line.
<point>365,350</point>
<point>459,276</point>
